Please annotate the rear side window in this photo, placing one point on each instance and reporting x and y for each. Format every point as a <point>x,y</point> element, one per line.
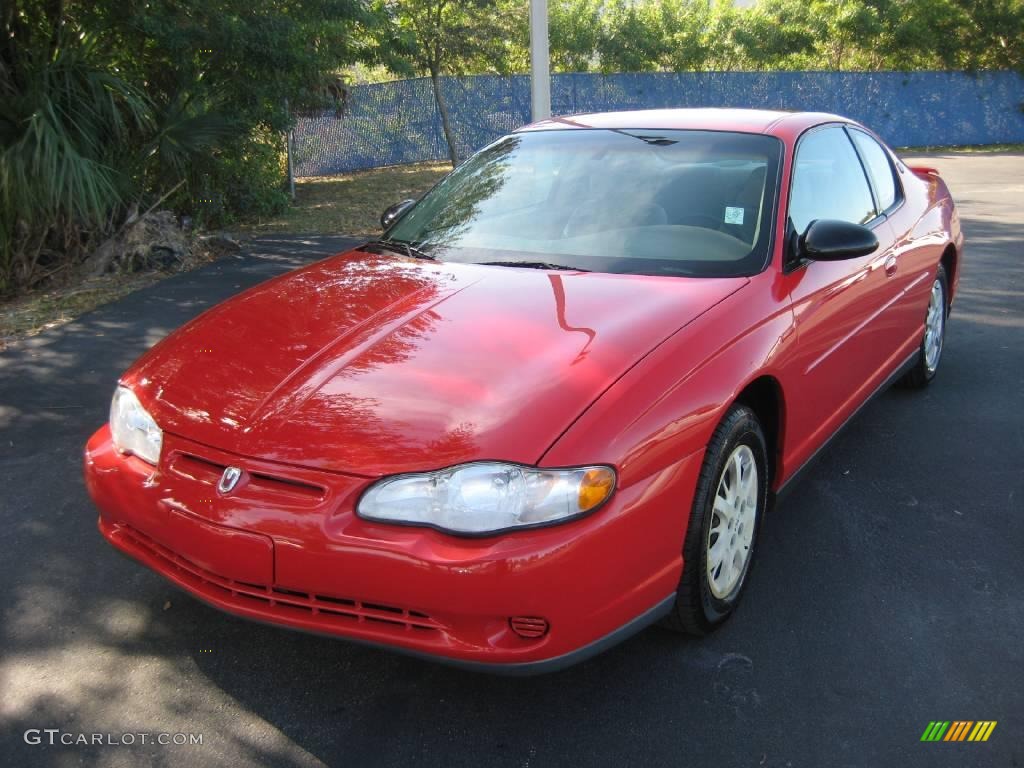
<point>829,181</point>
<point>879,168</point>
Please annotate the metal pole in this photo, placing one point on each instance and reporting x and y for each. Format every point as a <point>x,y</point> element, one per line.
<point>540,68</point>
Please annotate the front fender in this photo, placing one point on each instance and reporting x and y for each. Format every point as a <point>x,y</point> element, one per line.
<point>668,405</point>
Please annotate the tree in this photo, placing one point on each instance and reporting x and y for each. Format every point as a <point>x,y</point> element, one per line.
<point>845,30</point>
<point>776,34</point>
<point>106,106</point>
<point>995,36</point>
<point>64,112</point>
<point>952,34</point>
<point>219,74</point>
<point>447,36</point>
<point>702,35</point>
<point>632,38</point>
<point>690,35</point>
<point>574,32</point>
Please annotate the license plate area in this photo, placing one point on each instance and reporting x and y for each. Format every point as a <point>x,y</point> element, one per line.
<point>227,552</point>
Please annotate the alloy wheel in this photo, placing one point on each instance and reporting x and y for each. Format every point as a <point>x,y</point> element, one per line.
<point>934,327</point>
<point>731,531</point>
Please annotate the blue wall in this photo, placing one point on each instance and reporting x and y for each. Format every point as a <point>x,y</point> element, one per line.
<point>397,122</point>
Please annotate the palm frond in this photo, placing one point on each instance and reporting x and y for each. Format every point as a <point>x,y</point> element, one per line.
<point>59,130</point>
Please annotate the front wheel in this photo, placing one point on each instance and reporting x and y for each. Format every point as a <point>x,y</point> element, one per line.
<point>731,496</point>
<point>930,353</point>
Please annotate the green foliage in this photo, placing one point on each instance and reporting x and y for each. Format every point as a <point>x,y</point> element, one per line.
<point>438,37</point>
<point>689,35</point>
<point>451,36</point>
<point>692,35</point>
<point>574,29</point>
<point>226,77</point>
<point>696,35</point>
<point>243,179</point>
<point>632,38</point>
<point>112,105</point>
<point>62,117</point>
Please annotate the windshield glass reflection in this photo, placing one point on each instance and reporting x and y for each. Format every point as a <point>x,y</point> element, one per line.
<point>695,203</point>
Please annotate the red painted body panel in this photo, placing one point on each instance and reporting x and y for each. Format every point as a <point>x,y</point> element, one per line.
<point>465,589</point>
<point>382,365</point>
<point>361,366</point>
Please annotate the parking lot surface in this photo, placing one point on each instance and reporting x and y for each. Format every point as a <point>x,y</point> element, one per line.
<point>889,589</point>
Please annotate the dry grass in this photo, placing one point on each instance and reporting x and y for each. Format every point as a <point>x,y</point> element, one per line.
<point>350,203</point>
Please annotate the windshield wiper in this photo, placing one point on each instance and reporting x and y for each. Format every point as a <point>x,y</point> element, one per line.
<point>532,265</point>
<point>656,141</point>
<point>409,248</point>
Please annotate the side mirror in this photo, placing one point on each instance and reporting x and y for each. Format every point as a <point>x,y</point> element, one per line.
<point>395,212</point>
<point>833,240</point>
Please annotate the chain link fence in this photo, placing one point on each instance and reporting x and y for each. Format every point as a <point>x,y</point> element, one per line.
<point>398,122</point>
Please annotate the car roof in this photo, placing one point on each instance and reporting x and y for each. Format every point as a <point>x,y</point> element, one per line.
<point>772,122</point>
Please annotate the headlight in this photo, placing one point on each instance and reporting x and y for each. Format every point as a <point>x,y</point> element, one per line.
<point>487,497</point>
<point>134,430</point>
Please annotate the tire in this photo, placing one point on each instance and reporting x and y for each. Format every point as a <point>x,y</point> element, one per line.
<point>705,598</point>
<point>921,375</point>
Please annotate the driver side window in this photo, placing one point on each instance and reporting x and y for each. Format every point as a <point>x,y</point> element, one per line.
<point>828,181</point>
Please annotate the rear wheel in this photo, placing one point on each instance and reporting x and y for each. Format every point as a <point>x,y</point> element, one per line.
<point>718,551</point>
<point>930,353</point>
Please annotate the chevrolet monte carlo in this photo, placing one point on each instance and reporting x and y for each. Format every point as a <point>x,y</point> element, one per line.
<point>552,404</point>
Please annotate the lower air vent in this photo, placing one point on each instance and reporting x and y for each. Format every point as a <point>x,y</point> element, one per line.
<point>281,600</point>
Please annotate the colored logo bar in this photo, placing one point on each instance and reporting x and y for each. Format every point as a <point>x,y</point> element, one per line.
<point>958,730</point>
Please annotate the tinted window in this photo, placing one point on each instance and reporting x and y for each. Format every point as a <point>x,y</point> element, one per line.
<point>663,202</point>
<point>879,168</point>
<point>828,181</point>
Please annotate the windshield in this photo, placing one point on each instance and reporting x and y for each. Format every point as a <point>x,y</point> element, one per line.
<point>649,202</point>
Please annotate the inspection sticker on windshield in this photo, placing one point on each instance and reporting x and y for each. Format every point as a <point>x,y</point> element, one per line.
<point>733,215</point>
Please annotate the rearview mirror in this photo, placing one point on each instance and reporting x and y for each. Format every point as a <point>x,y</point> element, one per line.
<point>395,212</point>
<point>834,240</point>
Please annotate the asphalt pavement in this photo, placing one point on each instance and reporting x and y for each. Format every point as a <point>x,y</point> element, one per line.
<point>888,593</point>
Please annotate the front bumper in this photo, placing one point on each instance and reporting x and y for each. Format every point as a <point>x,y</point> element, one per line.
<point>285,547</point>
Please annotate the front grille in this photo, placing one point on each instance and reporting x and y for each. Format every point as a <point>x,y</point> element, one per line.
<point>328,609</point>
<point>203,470</point>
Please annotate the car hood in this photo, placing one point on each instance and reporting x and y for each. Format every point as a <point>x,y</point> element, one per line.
<point>372,364</point>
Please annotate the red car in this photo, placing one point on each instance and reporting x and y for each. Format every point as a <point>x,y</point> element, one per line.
<point>553,403</point>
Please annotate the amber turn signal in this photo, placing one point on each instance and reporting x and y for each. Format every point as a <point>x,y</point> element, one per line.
<point>596,486</point>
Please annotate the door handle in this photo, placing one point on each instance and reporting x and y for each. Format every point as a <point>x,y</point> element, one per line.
<point>890,266</point>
